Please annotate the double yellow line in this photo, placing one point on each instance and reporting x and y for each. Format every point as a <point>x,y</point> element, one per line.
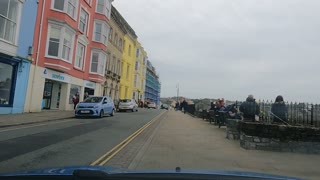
<point>110,154</point>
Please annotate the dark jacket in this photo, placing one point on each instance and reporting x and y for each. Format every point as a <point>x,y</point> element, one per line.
<point>280,110</point>
<point>249,109</point>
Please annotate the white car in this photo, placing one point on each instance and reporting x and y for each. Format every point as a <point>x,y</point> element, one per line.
<point>152,105</point>
<point>128,104</point>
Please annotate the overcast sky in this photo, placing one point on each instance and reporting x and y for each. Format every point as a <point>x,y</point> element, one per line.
<point>231,48</point>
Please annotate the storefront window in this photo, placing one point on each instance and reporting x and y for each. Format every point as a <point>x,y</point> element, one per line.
<point>74,89</point>
<point>6,81</point>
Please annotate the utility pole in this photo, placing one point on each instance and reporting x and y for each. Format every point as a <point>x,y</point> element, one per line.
<point>177,92</point>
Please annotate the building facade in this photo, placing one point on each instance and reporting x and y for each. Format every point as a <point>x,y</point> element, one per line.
<point>153,86</point>
<point>70,43</point>
<point>128,59</point>
<point>16,39</point>
<point>114,52</point>
<point>139,73</point>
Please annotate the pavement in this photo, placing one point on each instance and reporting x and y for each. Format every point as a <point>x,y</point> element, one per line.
<point>67,142</point>
<point>7,120</point>
<point>191,143</point>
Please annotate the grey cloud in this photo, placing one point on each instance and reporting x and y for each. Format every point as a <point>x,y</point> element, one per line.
<point>231,48</point>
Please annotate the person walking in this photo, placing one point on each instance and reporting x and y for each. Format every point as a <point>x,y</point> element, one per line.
<point>279,111</point>
<point>250,109</point>
<point>86,95</point>
<point>75,100</point>
<point>184,106</point>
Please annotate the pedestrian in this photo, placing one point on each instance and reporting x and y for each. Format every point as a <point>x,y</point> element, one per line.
<point>86,95</point>
<point>250,109</point>
<point>279,111</point>
<point>75,100</point>
<point>184,106</point>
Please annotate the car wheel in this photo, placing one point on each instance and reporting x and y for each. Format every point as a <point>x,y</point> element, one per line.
<point>101,114</point>
<point>112,113</point>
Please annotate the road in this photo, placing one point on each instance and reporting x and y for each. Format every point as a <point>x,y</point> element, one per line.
<point>67,142</point>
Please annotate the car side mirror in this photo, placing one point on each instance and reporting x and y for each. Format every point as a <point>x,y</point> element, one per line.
<point>105,102</point>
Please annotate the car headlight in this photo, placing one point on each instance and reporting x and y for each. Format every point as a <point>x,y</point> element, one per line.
<point>96,106</point>
<point>77,106</point>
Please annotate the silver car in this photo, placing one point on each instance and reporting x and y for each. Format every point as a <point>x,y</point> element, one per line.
<point>128,104</point>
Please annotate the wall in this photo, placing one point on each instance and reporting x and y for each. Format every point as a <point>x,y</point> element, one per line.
<point>27,27</point>
<point>282,138</point>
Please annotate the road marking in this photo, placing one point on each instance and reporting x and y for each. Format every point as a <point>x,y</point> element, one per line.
<point>31,126</point>
<point>115,150</point>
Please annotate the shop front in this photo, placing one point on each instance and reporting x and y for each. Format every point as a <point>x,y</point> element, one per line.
<point>55,89</point>
<point>14,73</point>
<point>89,87</point>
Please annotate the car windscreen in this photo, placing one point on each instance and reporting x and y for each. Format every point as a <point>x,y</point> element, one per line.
<point>93,100</point>
<point>125,100</point>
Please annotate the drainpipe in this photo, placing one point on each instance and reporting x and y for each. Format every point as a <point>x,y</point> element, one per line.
<point>38,50</point>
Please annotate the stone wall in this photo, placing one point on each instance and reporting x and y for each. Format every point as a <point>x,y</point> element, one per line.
<point>279,138</point>
<point>233,129</point>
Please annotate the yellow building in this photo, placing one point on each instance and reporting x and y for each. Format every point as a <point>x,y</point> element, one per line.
<point>139,70</point>
<point>128,59</point>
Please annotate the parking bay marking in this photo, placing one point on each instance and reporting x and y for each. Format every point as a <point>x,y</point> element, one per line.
<point>111,153</point>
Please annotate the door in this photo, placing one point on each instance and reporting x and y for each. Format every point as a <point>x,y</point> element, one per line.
<point>104,106</point>
<point>110,105</point>
<point>47,94</point>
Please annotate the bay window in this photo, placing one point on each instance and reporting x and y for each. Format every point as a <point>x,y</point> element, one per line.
<point>104,7</point>
<point>101,31</point>
<point>60,42</point>
<point>98,61</point>
<point>8,19</point>
<point>68,6</point>
<point>79,56</point>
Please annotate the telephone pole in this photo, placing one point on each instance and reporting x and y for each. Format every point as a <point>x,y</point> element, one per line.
<point>178,92</point>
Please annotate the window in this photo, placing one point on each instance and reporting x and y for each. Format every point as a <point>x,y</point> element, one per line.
<point>54,41</point>
<point>67,42</point>
<point>98,61</point>
<point>7,72</point>
<point>108,61</point>
<point>136,80</point>
<point>127,75</point>
<point>116,39</point>
<point>120,43</point>
<point>138,52</point>
<point>124,44</point>
<point>104,7</point>
<point>72,8</point>
<point>118,67</point>
<point>113,69</point>
<point>110,34</point>
<point>60,42</point>
<point>101,32</point>
<point>8,19</point>
<point>129,50</point>
<point>74,89</point>
<point>58,4</point>
<point>67,6</point>
<point>83,21</point>
<point>136,67</point>
<point>79,56</point>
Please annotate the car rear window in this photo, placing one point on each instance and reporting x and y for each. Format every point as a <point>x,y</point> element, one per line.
<point>125,100</point>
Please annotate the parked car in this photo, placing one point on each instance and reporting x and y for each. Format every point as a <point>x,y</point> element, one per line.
<point>95,106</point>
<point>165,106</point>
<point>128,104</point>
<point>152,105</point>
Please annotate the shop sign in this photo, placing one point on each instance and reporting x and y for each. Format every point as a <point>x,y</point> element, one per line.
<point>57,76</point>
<point>89,84</point>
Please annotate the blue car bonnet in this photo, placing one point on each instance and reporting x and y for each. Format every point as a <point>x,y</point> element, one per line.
<point>66,171</point>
